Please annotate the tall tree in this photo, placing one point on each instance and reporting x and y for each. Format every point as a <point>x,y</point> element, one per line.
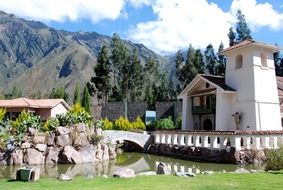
<point>100,84</point>
<point>243,31</point>
<point>136,81</point>
<point>86,99</point>
<point>220,68</point>
<point>77,95</point>
<point>198,62</point>
<point>210,59</point>
<point>59,93</point>
<point>278,62</point>
<point>180,62</point>
<point>232,37</point>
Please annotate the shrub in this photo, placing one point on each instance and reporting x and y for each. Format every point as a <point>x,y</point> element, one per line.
<point>51,124</point>
<point>274,159</point>
<point>2,113</point>
<point>25,120</point>
<point>122,124</point>
<point>179,122</point>
<point>138,124</point>
<point>166,123</point>
<point>95,139</point>
<point>107,125</point>
<point>77,114</point>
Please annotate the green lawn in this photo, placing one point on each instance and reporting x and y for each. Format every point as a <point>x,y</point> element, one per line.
<point>216,181</point>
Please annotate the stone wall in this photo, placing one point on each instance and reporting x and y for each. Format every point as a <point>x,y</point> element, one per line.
<point>209,155</point>
<point>113,110</point>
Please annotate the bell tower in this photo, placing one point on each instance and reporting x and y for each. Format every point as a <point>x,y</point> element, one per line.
<point>250,71</point>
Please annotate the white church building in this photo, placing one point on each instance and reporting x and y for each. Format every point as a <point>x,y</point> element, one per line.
<point>246,99</point>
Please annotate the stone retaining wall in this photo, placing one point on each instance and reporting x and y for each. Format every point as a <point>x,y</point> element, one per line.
<point>64,145</point>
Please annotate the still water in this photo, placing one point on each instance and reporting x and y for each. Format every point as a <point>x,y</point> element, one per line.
<point>137,161</point>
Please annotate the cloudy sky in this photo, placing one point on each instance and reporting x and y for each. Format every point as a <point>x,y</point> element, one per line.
<point>162,25</point>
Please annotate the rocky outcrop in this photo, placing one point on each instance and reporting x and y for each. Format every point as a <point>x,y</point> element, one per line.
<point>68,145</point>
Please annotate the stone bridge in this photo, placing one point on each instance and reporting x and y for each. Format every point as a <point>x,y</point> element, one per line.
<point>141,139</point>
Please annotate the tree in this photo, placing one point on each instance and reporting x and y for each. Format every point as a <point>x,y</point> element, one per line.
<point>278,62</point>
<point>100,84</point>
<point>220,68</point>
<point>243,31</point>
<point>198,62</point>
<point>86,99</point>
<point>15,93</point>
<point>136,81</point>
<point>232,37</point>
<point>210,59</point>
<point>77,95</point>
<point>59,93</point>
<point>180,62</point>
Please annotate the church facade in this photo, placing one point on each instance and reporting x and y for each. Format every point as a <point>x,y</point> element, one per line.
<point>246,99</point>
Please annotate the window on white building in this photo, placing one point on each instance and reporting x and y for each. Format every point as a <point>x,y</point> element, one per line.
<point>263,58</point>
<point>239,61</point>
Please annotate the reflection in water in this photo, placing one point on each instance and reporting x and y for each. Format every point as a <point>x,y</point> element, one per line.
<point>136,161</point>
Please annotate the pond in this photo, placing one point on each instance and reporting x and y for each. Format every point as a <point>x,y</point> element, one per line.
<point>137,161</point>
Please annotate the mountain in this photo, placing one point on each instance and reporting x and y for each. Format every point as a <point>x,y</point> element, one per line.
<point>36,58</point>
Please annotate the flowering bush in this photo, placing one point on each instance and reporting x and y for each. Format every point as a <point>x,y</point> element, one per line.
<point>138,124</point>
<point>107,125</point>
<point>122,124</point>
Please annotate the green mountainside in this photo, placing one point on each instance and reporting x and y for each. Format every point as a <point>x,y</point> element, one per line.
<point>36,58</point>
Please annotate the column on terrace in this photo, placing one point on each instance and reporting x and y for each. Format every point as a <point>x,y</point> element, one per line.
<point>181,139</point>
<point>214,143</point>
<point>274,141</point>
<point>221,142</point>
<point>157,139</point>
<point>205,142</point>
<point>175,139</point>
<point>168,138</point>
<point>265,142</point>
<point>247,142</point>
<point>235,142</point>
<point>189,140</point>
<point>163,139</point>
<point>256,143</point>
<point>197,139</point>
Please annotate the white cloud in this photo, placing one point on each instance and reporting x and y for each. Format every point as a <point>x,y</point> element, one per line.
<point>181,22</point>
<point>140,3</point>
<point>61,10</point>
<point>259,14</point>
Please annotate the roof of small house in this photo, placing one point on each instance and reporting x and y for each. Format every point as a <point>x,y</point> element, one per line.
<point>33,103</point>
<point>247,43</point>
<point>218,81</point>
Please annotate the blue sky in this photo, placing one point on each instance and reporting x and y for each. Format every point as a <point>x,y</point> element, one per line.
<point>162,25</point>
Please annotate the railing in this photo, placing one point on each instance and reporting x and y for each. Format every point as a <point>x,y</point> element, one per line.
<point>202,110</point>
<point>222,139</point>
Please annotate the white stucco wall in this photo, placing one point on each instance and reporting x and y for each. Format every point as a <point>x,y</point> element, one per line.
<point>58,109</point>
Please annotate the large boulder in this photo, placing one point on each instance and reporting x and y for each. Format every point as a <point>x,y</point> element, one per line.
<point>26,145</point>
<point>31,131</point>
<point>63,140</point>
<point>33,157</point>
<point>38,139</point>
<point>17,157</point>
<point>88,154</point>
<point>105,149</point>
<point>62,131</point>
<point>41,147</point>
<point>162,169</point>
<point>63,177</point>
<point>99,154</point>
<point>124,173</point>
<point>51,139</point>
<point>71,156</point>
<point>112,152</point>
<point>3,160</point>
<point>52,155</point>
<point>80,127</point>
<point>81,140</point>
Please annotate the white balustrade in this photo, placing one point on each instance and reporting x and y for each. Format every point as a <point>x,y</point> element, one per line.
<point>219,140</point>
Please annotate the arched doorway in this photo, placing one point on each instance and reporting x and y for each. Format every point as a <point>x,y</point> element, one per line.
<point>207,125</point>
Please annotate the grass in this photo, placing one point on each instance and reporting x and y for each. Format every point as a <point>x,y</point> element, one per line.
<point>217,181</point>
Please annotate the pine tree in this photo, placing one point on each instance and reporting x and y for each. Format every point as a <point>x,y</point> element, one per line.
<point>278,62</point>
<point>198,62</point>
<point>136,81</point>
<point>243,31</point>
<point>232,37</point>
<point>101,83</point>
<point>59,93</point>
<point>76,95</point>
<point>179,61</point>
<point>220,68</point>
<point>210,59</point>
<point>86,99</point>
